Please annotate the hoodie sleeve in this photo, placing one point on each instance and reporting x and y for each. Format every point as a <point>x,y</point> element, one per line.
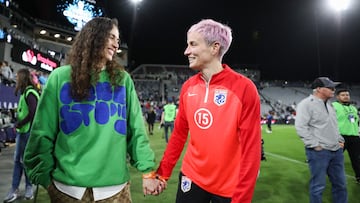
<point>142,156</point>
<point>38,155</point>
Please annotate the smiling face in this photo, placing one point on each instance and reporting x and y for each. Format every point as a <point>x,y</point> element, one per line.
<point>112,44</point>
<point>199,53</point>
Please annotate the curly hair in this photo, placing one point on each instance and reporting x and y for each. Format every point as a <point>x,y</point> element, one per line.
<point>24,79</point>
<point>86,55</point>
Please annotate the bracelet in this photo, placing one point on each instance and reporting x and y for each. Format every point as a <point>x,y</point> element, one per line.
<point>150,175</point>
<point>162,178</point>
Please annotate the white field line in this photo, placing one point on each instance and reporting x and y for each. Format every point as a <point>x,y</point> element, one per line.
<point>295,161</point>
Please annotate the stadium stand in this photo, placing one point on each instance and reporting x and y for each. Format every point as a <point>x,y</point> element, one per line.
<point>154,82</point>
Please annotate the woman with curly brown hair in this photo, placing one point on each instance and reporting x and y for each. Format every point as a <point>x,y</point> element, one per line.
<point>93,121</point>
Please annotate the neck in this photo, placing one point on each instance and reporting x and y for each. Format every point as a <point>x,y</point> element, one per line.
<point>211,70</point>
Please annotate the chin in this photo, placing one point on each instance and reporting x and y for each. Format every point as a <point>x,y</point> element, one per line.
<point>192,66</point>
<point>109,58</point>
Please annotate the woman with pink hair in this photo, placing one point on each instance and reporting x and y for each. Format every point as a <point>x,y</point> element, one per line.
<point>219,108</point>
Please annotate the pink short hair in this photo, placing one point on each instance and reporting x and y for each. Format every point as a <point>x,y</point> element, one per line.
<point>213,31</point>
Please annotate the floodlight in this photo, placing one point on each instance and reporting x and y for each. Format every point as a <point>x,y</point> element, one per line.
<point>136,1</point>
<point>339,5</point>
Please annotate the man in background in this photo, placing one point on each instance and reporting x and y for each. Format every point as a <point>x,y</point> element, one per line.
<point>150,119</point>
<point>269,119</point>
<point>348,120</point>
<point>167,118</point>
<point>316,124</point>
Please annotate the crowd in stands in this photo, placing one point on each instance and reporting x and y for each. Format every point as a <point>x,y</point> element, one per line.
<point>8,76</point>
<point>278,96</point>
<point>7,120</point>
<point>148,90</point>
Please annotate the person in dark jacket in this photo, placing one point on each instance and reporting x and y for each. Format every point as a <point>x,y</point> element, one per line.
<point>150,119</point>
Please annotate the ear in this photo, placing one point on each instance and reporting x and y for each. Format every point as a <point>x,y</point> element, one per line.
<point>215,48</point>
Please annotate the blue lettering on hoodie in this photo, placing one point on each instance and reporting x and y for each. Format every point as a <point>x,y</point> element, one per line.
<point>108,102</point>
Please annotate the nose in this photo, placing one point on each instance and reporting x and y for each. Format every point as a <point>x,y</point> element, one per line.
<point>114,41</point>
<point>187,51</point>
<point>116,45</point>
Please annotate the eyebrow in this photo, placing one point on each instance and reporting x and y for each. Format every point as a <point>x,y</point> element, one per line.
<point>113,36</point>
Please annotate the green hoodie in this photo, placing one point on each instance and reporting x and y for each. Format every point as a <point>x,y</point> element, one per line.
<point>86,143</point>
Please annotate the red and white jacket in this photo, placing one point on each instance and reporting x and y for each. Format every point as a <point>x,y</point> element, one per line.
<point>222,117</point>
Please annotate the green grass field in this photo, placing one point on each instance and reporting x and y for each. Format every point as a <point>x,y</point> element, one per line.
<point>284,176</point>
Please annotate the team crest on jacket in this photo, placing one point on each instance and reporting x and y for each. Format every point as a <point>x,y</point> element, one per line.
<point>220,97</point>
<point>185,184</point>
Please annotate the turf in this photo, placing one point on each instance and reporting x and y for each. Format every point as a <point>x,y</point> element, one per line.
<point>283,177</point>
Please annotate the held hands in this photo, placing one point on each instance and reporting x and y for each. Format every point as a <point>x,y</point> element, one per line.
<point>153,184</point>
<point>341,144</point>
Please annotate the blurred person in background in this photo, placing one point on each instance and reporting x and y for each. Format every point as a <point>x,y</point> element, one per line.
<point>150,119</point>
<point>7,74</point>
<point>269,119</point>
<point>348,120</point>
<point>167,118</point>
<point>25,114</point>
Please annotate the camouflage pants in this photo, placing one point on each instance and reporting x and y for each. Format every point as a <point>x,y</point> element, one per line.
<point>57,196</point>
